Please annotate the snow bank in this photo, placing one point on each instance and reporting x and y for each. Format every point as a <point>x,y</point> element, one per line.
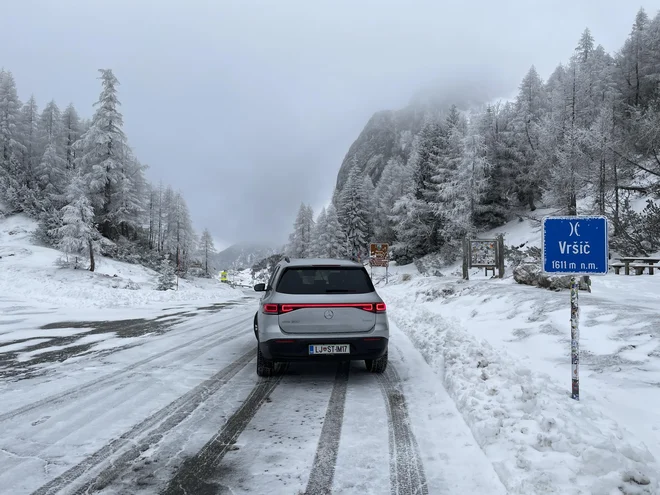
<point>538,439</point>
<point>30,273</point>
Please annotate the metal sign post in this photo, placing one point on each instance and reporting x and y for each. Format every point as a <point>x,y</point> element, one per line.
<point>379,256</point>
<point>575,246</point>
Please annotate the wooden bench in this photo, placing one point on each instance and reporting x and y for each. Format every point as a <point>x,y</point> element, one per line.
<point>617,267</point>
<point>640,267</point>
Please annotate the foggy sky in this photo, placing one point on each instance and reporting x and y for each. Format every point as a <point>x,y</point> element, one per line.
<point>248,107</point>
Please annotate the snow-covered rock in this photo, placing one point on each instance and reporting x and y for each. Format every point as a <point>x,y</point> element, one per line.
<point>530,273</point>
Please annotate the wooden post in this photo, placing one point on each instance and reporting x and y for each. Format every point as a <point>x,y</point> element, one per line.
<point>466,258</point>
<point>500,255</point>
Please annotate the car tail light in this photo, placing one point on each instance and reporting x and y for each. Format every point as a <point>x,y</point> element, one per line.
<point>287,308</point>
<point>271,309</point>
<point>278,309</point>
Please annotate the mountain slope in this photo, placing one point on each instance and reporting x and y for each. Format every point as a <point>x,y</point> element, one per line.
<point>242,255</point>
<point>390,133</point>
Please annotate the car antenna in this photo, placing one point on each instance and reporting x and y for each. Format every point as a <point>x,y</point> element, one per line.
<point>286,258</point>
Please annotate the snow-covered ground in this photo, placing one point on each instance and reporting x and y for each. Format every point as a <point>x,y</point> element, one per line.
<point>503,353</point>
<point>132,390</point>
<point>35,292</point>
<point>29,272</point>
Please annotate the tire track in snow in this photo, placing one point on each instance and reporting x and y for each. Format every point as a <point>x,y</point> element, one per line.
<point>406,467</point>
<point>193,476</point>
<point>323,468</point>
<point>166,418</point>
<point>112,378</point>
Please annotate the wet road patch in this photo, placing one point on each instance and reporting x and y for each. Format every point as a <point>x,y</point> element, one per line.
<point>21,358</point>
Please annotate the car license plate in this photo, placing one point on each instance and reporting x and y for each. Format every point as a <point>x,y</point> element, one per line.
<point>330,349</point>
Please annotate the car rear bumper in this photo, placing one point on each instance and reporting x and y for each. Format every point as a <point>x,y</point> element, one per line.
<point>298,349</point>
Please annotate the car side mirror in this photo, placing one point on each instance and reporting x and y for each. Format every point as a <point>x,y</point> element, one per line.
<point>260,287</point>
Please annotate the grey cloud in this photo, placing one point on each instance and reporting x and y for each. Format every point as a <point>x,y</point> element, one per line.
<point>248,107</point>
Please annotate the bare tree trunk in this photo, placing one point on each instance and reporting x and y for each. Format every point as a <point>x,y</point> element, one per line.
<point>472,181</point>
<point>151,219</point>
<point>572,206</point>
<point>160,217</point>
<point>601,183</point>
<point>617,202</point>
<point>92,263</point>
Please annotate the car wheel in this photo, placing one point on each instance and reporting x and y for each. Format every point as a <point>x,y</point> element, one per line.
<point>377,365</point>
<point>265,367</point>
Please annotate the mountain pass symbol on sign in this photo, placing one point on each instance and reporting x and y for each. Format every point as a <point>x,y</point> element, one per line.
<point>574,229</point>
<point>575,245</point>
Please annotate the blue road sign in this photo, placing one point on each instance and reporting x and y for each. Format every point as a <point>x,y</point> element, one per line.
<point>575,245</point>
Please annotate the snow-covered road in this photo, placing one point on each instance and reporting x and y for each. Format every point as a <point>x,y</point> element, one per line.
<point>179,409</point>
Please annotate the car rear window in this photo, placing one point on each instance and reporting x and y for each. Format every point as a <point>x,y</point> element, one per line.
<point>325,280</point>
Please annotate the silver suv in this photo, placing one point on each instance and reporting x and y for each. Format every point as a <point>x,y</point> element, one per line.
<point>318,310</point>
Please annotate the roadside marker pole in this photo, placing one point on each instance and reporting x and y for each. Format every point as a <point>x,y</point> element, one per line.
<point>575,246</point>
<point>575,338</point>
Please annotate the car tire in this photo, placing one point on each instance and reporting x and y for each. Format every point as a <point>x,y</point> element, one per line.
<point>265,367</point>
<point>377,365</point>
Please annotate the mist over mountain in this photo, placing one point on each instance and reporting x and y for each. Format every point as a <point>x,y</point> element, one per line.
<point>243,255</point>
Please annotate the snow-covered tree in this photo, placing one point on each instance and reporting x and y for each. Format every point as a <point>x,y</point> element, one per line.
<point>371,205</point>
<point>29,137</point>
<point>395,182</point>
<point>334,234</point>
<point>300,240</point>
<point>525,125</point>
<point>50,126</point>
<point>127,202</point>
<point>472,179</point>
<point>504,167</point>
<point>417,228</point>
<point>13,187</point>
<point>450,202</point>
<point>319,248</point>
<point>416,219</point>
<point>51,175</point>
<point>104,151</point>
<point>207,249</point>
<point>70,129</point>
<point>167,278</point>
<point>77,235</point>
<point>353,211</point>
<point>181,239</point>
<point>47,158</point>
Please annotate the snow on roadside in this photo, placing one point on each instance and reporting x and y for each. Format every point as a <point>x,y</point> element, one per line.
<point>28,273</point>
<point>538,439</point>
